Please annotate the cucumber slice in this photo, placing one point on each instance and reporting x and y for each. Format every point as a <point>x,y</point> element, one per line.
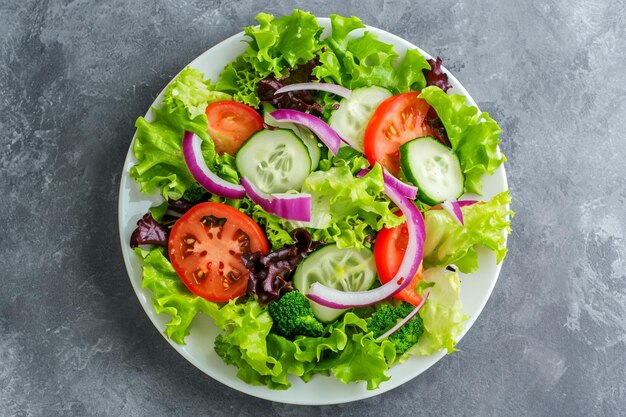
<point>276,161</point>
<point>309,139</point>
<point>351,118</point>
<point>312,144</point>
<point>433,168</point>
<point>344,269</point>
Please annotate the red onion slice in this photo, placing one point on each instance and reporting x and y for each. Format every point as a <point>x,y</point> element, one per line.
<point>331,88</point>
<point>407,190</point>
<point>321,129</point>
<point>405,320</point>
<point>333,298</point>
<point>454,208</point>
<point>192,152</point>
<point>296,207</point>
<point>463,203</point>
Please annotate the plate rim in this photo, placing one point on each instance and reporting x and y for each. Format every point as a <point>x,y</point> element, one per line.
<point>256,391</point>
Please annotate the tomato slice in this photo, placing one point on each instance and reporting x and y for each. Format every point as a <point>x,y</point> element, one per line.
<point>397,120</point>
<point>230,124</point>
<point>389,251</point>
<point>205,248</point>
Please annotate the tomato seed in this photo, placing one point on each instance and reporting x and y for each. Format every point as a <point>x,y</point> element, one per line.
<point>234,275</point>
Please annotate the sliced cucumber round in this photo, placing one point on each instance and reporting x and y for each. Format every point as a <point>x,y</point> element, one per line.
<point>433,168</point>
<point>309,139</point>
<point>351,118</point>
<point>275,161</point>
<point>343,269</point>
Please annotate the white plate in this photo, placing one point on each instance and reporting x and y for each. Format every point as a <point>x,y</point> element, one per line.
<point>199,349</point>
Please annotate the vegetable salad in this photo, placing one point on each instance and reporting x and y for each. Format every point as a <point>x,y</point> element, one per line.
<point>311,203</point>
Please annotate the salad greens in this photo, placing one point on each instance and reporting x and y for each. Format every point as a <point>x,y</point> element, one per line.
<point>171,297</point>
<point>448,242</point>
<point>364,61</point>
<point>275,46</point>
<point>346,210</point>
<point>443,313</point>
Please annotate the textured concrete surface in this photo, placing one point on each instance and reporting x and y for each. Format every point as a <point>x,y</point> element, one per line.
<point>73,77</point>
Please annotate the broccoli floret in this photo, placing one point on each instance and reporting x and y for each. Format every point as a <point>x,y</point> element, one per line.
<point>195,194</point>
<point>387,316</point>
<point>292,315</point>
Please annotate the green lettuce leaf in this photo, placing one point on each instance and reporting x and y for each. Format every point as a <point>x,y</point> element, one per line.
<point>240,80</point>
<point>275,45</point>
<point>346,156</point>
<point>442,314</point>
<point>348,352</point>
<point>171,297</point>
<point>191,92</point>
<point>474,135</point>
<point>244,344</point>
<point>274,228</point>
<point>346,209</point>
<point>279,44</point>
<point>448,242</point>
<point>363,61</point>
<point>157,146</point>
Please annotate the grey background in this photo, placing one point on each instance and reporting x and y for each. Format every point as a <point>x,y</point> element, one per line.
<point>75,75</point>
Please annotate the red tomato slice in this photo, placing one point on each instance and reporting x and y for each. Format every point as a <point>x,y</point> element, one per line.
<point>389,251</point>
<point>230,124</point>
<point>205,248</point>
<point>397,120</point>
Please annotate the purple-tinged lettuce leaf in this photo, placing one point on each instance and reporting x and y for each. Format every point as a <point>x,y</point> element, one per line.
<point>435,76</point>
<point>302,100</point>
<point>149,232</point>
<point>270,275</point>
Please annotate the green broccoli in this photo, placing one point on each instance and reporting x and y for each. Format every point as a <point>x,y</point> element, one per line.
<point>292,315</point>
<point>195,194</point>
<point>387,316</point>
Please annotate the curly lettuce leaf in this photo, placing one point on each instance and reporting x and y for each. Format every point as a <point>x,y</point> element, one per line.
<point>348,352</point>
<point>346,209</point>
<point>363,61</point>
<point>448,242</point>
<point>157,146</point>
<point>346,156</point>
<point>171,297</point>
<point>244,344</point>
<point>279,44</point>
<point>277,235</point>
<point>275,46</point>
<point>442,314</point>
<point>474,135</point>
<point>191,92</point>
<point>240,80</point>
